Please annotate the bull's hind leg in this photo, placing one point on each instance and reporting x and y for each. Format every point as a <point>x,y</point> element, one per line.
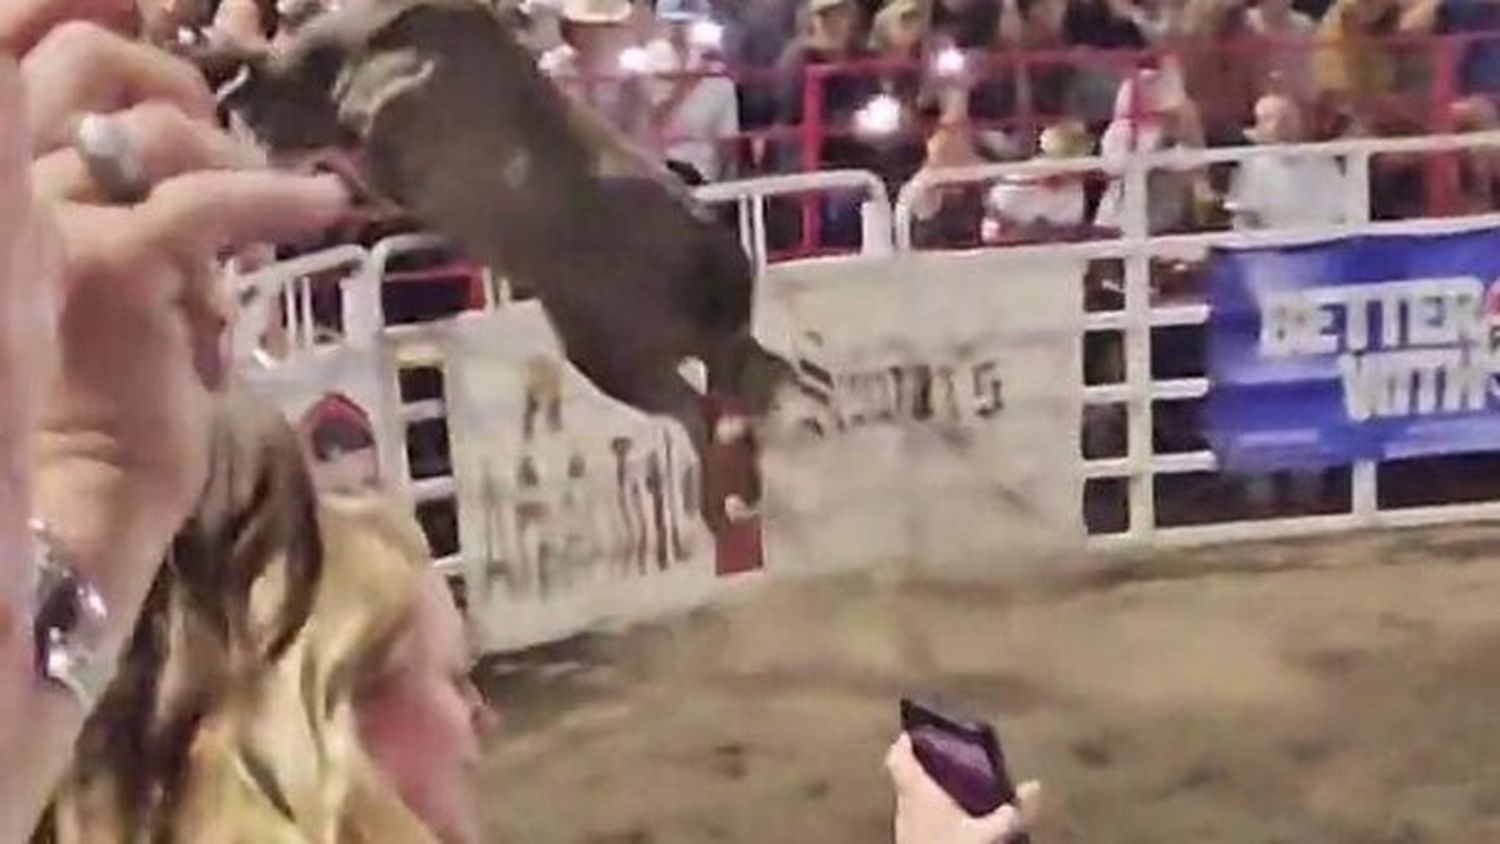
<point>663,391</point>
<point>729,481</point>
<point>741,367</point>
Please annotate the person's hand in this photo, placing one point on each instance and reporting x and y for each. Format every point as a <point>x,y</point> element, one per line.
<point>925,814</point>
<point>31,277</point>
<point>142,328</point>
<point>105,315</point>
<point>81,67</point>
<point>29,261</point>
<point>29,269</point>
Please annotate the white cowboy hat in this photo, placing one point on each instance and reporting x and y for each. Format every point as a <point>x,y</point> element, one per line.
<point>596,11</point>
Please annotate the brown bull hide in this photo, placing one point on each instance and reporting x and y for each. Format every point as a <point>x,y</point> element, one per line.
<point>455,123</point>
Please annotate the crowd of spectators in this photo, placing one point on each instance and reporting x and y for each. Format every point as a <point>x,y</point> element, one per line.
<point>733,89</point>
<point>726,89</point>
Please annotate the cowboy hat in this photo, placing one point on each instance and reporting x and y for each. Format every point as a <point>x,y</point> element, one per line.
<point>596,11</point>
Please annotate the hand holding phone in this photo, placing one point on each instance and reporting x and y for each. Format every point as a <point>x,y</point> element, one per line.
<point>963,760</point>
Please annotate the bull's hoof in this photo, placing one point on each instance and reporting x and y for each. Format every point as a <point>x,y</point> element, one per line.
<point>730,429</point>
<point>737,511</point>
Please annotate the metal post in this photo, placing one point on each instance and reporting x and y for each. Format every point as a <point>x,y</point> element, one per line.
<point>1364,500</point>
<point>1138,439</point>
<point>812,151</point>
<point>1442,168</point>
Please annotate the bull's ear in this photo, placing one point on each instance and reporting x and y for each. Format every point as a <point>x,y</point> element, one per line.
<point>244,86</point>
<point>376,82</point>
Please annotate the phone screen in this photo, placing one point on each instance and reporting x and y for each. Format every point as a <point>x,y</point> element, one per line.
<point>963,758</point>
<point>971,759</point>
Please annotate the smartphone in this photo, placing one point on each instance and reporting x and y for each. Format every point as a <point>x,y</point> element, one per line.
<point>962,756</point>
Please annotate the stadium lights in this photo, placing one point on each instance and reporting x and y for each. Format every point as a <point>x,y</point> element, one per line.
<point>635,60</point>
<point>949,61</point>
<point>707,35</point>
<point>880,116</point>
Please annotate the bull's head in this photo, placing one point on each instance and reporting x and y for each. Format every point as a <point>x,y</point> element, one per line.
<point>315,95</point>
<point>433,104</point>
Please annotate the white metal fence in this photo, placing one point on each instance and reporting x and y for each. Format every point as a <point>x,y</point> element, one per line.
<point>1140,467</point>
<point>888,227</point>
<point>749,198</point>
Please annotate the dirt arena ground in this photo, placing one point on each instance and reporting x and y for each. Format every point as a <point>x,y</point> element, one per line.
<point>1326,691</point>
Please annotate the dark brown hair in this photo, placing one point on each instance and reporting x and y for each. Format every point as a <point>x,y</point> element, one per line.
<point>237,587</point>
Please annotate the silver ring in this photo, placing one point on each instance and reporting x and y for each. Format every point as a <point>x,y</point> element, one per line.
<point>112,158</point>
<point>70,624</point>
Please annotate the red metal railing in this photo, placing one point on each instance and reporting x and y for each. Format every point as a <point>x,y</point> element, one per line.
<point>1420,102</point>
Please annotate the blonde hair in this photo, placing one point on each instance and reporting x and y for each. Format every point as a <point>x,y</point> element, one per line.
<point>232,720</point>
<point>234,593</point>
<point>288,754</point>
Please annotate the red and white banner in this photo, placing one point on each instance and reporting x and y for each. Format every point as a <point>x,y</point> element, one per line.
<point>937,420</point>
<point>575,510</point>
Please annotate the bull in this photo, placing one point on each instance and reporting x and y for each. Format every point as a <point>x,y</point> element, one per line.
<point>445,113</point>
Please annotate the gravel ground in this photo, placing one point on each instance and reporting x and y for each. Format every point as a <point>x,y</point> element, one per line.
<point>1333,690</point>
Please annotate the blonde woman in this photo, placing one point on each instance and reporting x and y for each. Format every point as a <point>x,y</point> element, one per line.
<point>231,601</point>
<point>369,731</point>
<point>365,730</point>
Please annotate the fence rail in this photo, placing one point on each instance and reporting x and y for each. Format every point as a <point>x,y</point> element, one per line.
<point>377,354</point>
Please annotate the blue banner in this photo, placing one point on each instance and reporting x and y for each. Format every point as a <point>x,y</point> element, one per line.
<point>1366,348</point>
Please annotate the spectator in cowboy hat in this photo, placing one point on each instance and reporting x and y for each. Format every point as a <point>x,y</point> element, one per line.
<point>594,33</point>
<point>600,62</point>
<point>1031,208</point>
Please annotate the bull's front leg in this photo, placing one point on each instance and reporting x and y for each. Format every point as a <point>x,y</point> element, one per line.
<point>716,427</point>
